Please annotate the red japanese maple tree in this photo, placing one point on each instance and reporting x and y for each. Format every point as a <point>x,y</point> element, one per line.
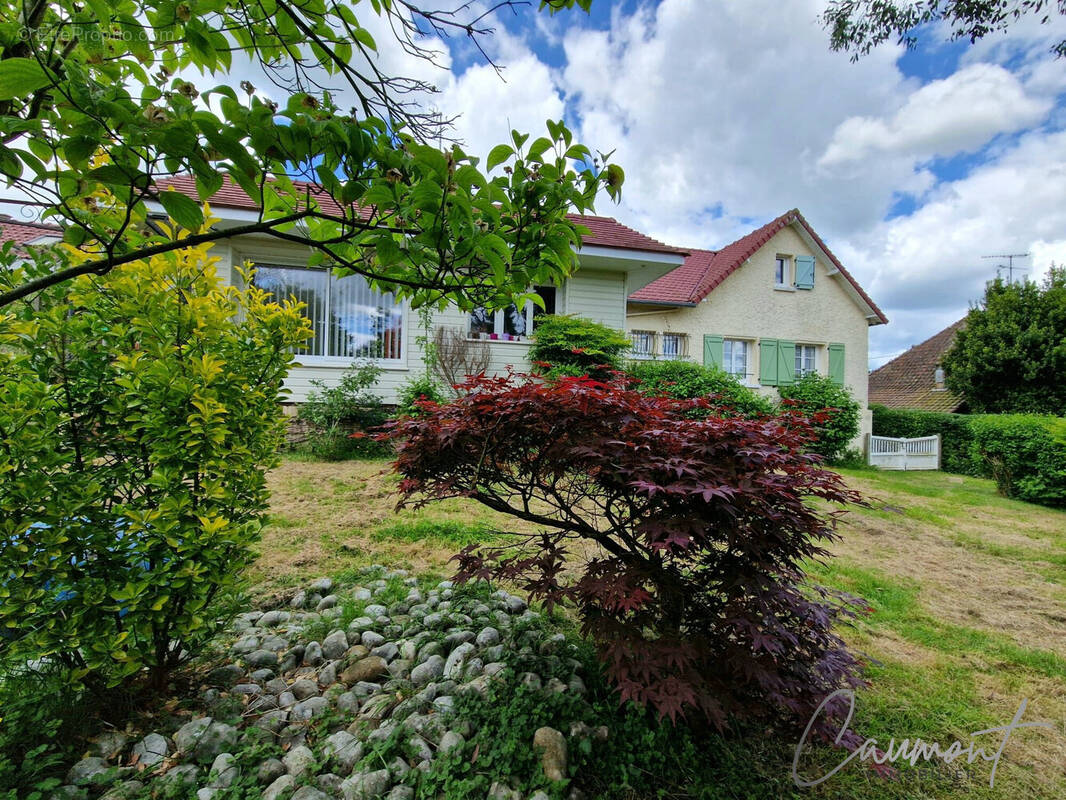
<point>694,590</point>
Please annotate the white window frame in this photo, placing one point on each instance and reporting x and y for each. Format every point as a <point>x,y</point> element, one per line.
<point>682,345</point>
<point>650,337</point>
<point>801,351</point>
<point>499,322</point>
<point>787,281</point>
<point>729,361</point>
<point>268,260</point>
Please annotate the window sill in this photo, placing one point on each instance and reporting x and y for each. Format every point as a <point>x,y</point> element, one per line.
<point>526,342</point>
<point>784,288</point>
<point>398,364</point>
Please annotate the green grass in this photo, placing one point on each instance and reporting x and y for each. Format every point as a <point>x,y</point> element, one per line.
<point>448,533</point>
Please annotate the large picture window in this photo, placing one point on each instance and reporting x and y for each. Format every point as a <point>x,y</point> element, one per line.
<point>350,320</point>
<point>511,324</point>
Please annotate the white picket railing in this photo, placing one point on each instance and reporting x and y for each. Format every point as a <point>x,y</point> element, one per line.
<point>889,453</point>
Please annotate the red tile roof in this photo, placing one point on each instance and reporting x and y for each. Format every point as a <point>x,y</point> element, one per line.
<point>23,232</point>
<point>908,381</point>
<point>704,270</point>
<point>603,231</point>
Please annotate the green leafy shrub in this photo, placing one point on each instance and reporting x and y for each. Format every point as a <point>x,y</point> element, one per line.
<point>956,437</point>
<point>575,347</point>
<point>138,414</point>
<point>415,390</point>
<point>1024,453</point>
<point>833,412</point>
<point>334,413</point>
<point>685,380</point>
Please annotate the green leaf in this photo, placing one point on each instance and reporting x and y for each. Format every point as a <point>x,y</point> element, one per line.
<point>498,155</point>
<point>183,210</point>
<point>20,77</point>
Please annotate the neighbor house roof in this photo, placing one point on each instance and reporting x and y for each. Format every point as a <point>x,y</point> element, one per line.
<point>908,381</point>
<point>704,270</point>
<point>21,233</point>
<point>603,231</point>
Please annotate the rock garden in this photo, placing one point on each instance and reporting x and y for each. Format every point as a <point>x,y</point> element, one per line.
<point>379,689</point>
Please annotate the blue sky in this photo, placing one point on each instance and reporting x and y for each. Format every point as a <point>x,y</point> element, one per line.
<point>911,165</point>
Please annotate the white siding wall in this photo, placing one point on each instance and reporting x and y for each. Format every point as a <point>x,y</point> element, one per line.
<point>596,294</point>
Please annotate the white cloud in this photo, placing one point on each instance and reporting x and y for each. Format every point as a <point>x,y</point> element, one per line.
<point>957,114</point>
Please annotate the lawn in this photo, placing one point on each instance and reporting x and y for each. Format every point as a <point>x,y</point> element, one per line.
<point>967,589</point>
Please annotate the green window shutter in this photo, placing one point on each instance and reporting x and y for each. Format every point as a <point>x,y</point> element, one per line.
<point>836,363</point>
<point>804,272</point>
<point>786,363</point>
<point>768,362</point>
<point>712,351</point>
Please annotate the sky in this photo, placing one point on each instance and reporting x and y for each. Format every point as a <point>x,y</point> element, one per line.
<point>912,165</point>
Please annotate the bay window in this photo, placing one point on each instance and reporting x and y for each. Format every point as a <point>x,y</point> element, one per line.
<point>350,320</point>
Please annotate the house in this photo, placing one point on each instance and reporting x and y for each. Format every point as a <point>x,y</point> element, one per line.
<point>27,233</point>
<point>772,305</point>
<point>353,323</point>
<point>916,379</point>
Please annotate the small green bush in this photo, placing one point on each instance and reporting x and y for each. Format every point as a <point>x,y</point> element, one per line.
<point>815,396</point>
<point>334,413</point>
<point>574,346</point>
<point>1024,453</point>
<point>685,380</point>
<point>956,437</point>
<point>422,388</point>
<point>139,412</point>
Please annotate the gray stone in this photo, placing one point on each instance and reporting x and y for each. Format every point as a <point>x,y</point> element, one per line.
<point>298,760</point>
<point>501,791</point>
<point>444,704</point>
<point>207,793</point>
<point>313,655</point>
<point>286,699</point>
<point>225,771</point>
<point>327,676</point>
<point>272,619</point>
<point>276,685</point>
<point>127,790</point>
<point>335,645</point>
<point>514,605</point>
<point>343,751</point>
<point>275,643</point>
<point>365,669</point>
<point>299,600</point>
<point>429,670</point>
<point>181,775</point>
<point>555,686</point>
<point>203,739</point>
<point>347,701</point>
<point>329,601</point>
<point>278,788</point>
<point>87,771</point>
<point>309,793</point>
<point>372,639</point>
<point>375,611</point>
<point>330,783</point>
<point>247,688</point>
<point>366,785</point>
<point>365,688</point>
<point>269,771</point>
<point>150,750</point>
<point>68,793</point>
<point>453,667</point>
<point>398,768</point>
<point>420,747</point>
<point>576,685</point>
<point>359,625</point>
<point>401,792</point>
<point>246,644</point>
<point>109,743</point>
<point>362,595</point>
<point>321,585</point>
<point>488,637</point>
<point>450,740</point>
<point>495,668</point>
<point>387,651</point>
<point>551,746</point>
<point>539,795</point>
<point>261,658</point>
<point>273,720</point>
<point>306,709</point>
<point>531,679</point>
<point>304,688</point>
<point>453,640</point>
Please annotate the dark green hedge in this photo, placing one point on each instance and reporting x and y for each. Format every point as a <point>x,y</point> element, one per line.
<point>1024,453</point>
<point>954,429</point>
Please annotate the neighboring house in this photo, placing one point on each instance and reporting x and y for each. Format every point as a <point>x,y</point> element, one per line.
<point>767,308</point>
<point>26,233</point>
<point>916,378</point>
<point>353,323</point>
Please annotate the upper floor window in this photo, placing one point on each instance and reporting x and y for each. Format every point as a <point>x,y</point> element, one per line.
<point>781,270</point>
<point>806,359</point>
<point>350,320</point>
<point>512,324</point>
<point>735,357</point>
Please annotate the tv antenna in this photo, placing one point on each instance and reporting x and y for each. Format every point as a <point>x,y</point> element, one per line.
<point>1009,266</point>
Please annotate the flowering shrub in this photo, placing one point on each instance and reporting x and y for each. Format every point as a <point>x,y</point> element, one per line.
<point>693,589</point>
